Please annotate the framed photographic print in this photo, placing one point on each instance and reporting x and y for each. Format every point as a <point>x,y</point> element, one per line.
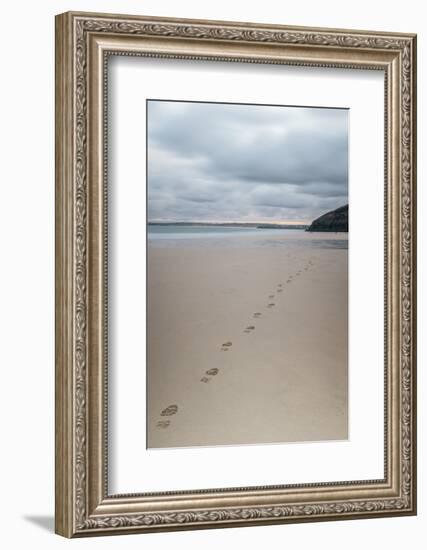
<point>235,274</point>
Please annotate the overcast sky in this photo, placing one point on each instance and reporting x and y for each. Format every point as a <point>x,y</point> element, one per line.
<point>216,162</point>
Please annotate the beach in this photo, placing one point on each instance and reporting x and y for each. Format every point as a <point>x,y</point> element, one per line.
<point>247,339</point>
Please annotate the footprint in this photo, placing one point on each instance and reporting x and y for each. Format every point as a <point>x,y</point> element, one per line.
<point>279,285</point>
<point>280,290</point>
<point>289,281</point>
<point>212,372</point>
<point>226,346</point>
<point>271,305</point>
<point>169,411</point>
<point>249,329</point>
<point>257,314</point>
<point>271,296</point>
<point>163,424</point>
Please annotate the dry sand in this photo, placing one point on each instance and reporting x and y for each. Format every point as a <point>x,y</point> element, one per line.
<point>283,380</point>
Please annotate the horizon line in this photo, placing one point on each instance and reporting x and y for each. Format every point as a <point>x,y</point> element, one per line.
<point>276,222</point>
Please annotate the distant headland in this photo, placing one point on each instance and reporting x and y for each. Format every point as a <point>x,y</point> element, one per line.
<point>335,221</point>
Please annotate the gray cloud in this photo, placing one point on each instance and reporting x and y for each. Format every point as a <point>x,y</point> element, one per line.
<point>219,162</point>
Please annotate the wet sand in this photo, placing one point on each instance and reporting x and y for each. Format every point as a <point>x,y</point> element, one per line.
<point>247,345</point>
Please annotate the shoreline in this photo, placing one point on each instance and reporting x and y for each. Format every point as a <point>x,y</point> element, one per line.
<point>244,237</point>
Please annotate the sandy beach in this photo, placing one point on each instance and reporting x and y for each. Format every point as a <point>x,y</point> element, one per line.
<point>247,344</point>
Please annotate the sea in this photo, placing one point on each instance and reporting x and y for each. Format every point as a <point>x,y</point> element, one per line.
<point>172,235</point>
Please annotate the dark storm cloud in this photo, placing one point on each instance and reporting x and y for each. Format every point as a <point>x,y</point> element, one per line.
<point>218,162</point>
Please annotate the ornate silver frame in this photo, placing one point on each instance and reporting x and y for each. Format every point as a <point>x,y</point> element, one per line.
<point>83,505</point>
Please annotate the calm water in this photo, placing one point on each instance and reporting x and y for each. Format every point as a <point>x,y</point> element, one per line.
<point>207,231</point>
<point>220,236</point>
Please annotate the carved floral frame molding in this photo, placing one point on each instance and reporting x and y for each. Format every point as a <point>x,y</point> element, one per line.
<point>83,43</point>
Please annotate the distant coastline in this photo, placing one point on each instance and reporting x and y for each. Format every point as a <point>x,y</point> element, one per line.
<point>234,224</point>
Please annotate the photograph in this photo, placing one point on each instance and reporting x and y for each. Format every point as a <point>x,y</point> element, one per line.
<point>247,274</point>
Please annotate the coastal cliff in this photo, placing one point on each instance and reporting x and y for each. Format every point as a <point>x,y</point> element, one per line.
<point>334,221</point>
